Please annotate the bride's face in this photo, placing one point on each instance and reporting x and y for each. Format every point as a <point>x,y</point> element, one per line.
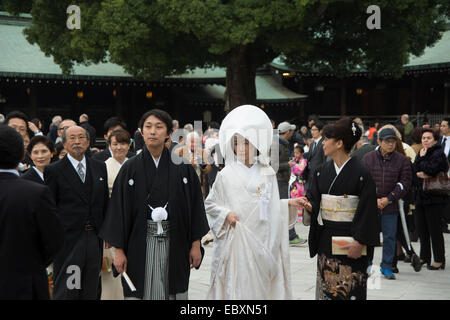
<point>244,150</point>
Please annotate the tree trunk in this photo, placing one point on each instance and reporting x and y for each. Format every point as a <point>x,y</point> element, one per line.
<point>241,72</point>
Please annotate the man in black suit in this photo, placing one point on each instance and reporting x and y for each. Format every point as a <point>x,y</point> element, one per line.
<point>112,124</point>
<point>445,143</point>
<point>79,186</point>
<point>316,156</point>
<point>30,232</point>
<point>362,147</point>
<point>84,123</point>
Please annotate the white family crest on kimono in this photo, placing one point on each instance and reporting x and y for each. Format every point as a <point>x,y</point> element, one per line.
<point>251,260</point>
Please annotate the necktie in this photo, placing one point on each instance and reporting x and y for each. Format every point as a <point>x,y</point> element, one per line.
<point>444,139</point>
<point>81,172</point>
<point>313,147</point>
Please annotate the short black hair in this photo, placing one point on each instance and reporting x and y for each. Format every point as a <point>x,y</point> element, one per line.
<point>41,139</point>
<point>161,115</point>
<point>435,133</point>
<point>299,148</point>
<point>16,114</point>
<point>11,147</point>
<point>318,124</point>
<point>36,121</point>
<point>214,125</point>
<point>344,129</point>
<point>416,135</point>
<point>113,122</point>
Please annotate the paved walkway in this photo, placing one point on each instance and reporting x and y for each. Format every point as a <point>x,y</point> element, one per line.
<point>410,285</point>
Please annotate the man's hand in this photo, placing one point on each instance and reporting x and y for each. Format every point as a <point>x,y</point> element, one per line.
<point>382,203</point>
<point>33,127</point>
<point>195,255</point>
<point>232,218</point>
<point>120,260</point>
<point>354,249</point>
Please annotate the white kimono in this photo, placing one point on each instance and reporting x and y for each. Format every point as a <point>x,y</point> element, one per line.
<point>251,260</point>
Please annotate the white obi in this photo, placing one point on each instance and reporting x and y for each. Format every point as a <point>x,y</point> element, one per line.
<point>337,208</point>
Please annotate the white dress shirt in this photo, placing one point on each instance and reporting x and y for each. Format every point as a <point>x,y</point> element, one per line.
<point>10,171</point>
<point>447,145</point>
<point>40,174</point>
<point>75,163</point>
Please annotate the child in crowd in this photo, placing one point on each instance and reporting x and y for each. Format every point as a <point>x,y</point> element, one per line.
<point>297,183</point>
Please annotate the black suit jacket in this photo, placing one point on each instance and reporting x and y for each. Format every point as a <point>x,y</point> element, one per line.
<point>105,155</point>
<point>32,175</point>
<point>75,206</point>
<point>365,148</point>
<point>315,159</point>
<point>30,237</point>
<point>92,132</point>
<point>441,140</point>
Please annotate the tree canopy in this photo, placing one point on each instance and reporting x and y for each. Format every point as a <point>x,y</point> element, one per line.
<point>155,38</point>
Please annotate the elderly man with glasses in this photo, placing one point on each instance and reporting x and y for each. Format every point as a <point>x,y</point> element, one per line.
<point>79,187</point>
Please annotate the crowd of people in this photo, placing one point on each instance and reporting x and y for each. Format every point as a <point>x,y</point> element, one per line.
<point>130,221</point>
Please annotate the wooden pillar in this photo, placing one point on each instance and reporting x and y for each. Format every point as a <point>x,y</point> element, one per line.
<point>446,89</point>
<point>301,104</point>
<point>32,102</point>
<point>343,97</point>
<point>413,96</point>
<point>118,107</point>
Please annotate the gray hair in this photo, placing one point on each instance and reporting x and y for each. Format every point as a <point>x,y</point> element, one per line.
<point>55,119</point>
<point>85,116</point>
<point>175,123</point>
<point>189,127</point>
<point>2,118</point>
<point>64,137</point>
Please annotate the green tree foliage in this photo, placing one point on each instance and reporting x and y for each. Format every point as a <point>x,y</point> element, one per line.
<point>155,38</point>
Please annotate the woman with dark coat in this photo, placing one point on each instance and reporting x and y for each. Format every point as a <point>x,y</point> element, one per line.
<point>429,162</point>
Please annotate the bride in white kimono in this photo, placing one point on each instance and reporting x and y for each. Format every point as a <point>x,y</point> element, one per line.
<point>246,215</point>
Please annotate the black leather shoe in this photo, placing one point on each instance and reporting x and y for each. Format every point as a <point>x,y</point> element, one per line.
<point>415,262</point>
<point>394,269</point>
<point>441,267</point>
<point>407,259</point>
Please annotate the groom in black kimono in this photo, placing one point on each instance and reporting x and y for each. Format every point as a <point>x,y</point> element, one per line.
<point>158,263</point>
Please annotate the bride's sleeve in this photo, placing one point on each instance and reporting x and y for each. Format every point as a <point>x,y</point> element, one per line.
<point>216,208</point>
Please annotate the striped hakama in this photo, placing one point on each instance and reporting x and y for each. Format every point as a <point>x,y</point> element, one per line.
<point>156,282</point>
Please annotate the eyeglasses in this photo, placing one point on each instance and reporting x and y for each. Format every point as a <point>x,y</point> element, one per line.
<point>73,138</point>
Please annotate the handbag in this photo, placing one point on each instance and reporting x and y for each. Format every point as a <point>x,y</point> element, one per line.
<point>439,185</point>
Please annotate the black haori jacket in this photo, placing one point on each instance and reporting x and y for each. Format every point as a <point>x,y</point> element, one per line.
<point>125,224</point>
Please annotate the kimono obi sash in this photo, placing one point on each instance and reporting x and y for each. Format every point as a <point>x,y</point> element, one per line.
<point>338,208</point>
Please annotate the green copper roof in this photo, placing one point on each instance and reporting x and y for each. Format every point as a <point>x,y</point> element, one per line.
<point>19,58</point>
<point>434,56</point>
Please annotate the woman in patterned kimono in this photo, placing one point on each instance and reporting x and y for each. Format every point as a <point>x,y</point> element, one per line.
<point>342,203</point>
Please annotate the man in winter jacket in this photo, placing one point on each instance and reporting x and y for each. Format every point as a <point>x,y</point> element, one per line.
<point>391,172</point>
